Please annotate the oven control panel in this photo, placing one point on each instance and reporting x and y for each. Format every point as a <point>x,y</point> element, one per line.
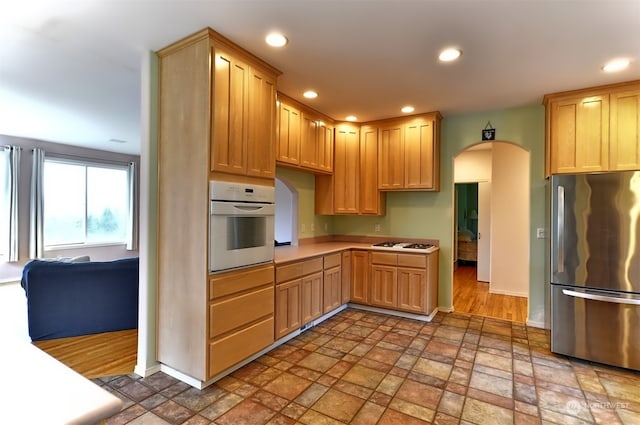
<point>240,192</point>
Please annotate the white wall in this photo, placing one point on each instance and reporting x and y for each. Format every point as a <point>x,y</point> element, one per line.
<point>510,208</point>
<point>473,165</point>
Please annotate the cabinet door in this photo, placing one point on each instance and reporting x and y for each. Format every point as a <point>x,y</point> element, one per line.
<point>345,172</point>
<point>419,157</point>
<point>309,141</point>
<point>288,135</point>
<point>412,290</point>
<point>580,135</point>
<point>261,131</point>
<point>372,201</point>
<point>346,277</point>
<point>359,276</point>
<point>287,308</point>
<point>624,143</point>
<point>325,148</point>
<point>229,132</point>
<point>311,297</point>
<point>384,286</point>
<point>391,157</point>
<point>332,289</point>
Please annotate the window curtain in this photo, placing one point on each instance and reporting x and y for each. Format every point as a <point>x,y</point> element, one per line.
<point>132,223</point>
<point>36,234</point>
<point>11,167</point>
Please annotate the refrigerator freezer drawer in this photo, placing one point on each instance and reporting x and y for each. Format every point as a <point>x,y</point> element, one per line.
<point>595,325</point>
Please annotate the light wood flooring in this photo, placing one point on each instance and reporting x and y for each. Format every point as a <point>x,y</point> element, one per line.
<point>471,296</point>
<point>98,355</point>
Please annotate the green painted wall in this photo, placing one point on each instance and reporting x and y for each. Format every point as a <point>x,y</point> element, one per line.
<point>430,215</point>
<point>309,224</point>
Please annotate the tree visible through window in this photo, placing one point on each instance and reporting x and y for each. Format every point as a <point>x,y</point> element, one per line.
<point>84,204</point>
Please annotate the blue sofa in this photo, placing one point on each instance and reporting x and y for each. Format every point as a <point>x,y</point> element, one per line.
<point>69,299</point>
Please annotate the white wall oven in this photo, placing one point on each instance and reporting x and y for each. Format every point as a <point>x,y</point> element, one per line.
<point>241,225</point>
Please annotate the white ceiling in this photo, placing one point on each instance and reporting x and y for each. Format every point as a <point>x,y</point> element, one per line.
<point>70,70</point>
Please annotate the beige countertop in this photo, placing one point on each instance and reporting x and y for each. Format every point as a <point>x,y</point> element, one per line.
<point>284,254</point>
<point>38,389</point>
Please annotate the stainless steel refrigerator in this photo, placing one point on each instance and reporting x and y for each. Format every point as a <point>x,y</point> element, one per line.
<point>595,267</point>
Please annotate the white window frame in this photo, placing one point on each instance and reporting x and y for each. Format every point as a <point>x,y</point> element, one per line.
<point>86,163</point>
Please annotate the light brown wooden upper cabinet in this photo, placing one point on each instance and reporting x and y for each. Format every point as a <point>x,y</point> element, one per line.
<point>288,134</point>
<point>593,130</point>
<point>304,137</point>
<point>352,188</point>
<point>244,114</point>
<point>409,153</point>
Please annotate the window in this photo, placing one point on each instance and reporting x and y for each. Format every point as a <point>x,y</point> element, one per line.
<point>84,203</point>
<point>4,204</point>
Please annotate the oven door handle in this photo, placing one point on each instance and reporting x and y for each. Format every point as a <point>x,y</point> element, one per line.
<point>605,298</point>
<point>248,208</point>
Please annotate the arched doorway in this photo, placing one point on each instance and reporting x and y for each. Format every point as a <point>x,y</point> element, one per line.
<point>501,171</point>
<point>286,216</point>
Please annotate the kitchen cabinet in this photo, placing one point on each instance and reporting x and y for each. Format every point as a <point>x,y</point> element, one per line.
<point>304,137</point>
<point>216,108</point>
<point>346,276</point>
<point>300,291</point>
<point>352,189</point>
<point>240,316</point>
<point>406,282</point>
<point>359,276</point>
<point>371,200</point>
<point>332,282</point>
<point>288,134</point>
<point>244,114</point>
<point>593,130</point>
<point>409,153</point>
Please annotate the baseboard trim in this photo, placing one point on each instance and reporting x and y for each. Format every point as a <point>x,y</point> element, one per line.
<point>510,293</point>
<point>421,317</point>
<point>143,371</point>
<point>536,324</point>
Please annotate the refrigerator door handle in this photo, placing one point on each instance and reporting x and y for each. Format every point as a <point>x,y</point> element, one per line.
<point>560,233</point>
<point>605,298</point>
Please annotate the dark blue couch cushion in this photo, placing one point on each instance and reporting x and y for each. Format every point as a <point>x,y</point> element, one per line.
<point>71,299</point>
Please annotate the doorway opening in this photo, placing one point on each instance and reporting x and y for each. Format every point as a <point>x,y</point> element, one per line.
<point>286,214</point>
<point>491,231</point>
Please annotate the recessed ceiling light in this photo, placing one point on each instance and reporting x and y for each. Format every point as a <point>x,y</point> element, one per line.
<point>310,94</point>
<point>351,118</point>
<point>117,141</point>
<point>407,109</point>
<point>275,39</point>
<point>616,65</point>
<point>449,54</point>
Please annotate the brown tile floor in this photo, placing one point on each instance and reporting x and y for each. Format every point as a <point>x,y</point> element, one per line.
<point>365,368</point>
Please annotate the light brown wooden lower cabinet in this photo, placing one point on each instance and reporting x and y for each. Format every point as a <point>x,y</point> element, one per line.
<point>241,316</point>
<point>359,276</point>
<point>405,282</point>
<point>332,282</point>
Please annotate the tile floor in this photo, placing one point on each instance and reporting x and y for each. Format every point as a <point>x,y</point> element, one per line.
<point>366,368</point>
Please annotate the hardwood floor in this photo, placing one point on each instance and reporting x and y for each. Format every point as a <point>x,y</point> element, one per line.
<point>471,296</point>
<point>96,356</point>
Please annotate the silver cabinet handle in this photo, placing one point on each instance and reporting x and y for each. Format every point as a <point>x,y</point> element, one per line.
<point>560,233</point>
<point>588,296</point>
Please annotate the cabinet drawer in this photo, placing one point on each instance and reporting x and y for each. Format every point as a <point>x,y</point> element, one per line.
<point>288,272</point>
<point>384,258</point>
<point>238,281</point>
<point>409,260</point>
<point>236,347</point>
<point>312,266</point>
<point>298,269</point>
<point>235,312</point>
<point>332,260</point>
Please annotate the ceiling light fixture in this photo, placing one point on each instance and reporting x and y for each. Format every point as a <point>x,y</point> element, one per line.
<point>310,94</point>
<point>407,109</point>
<point>276,39</point>
<point>117,141</point>
<point>351,118</point>
<point>616,65</point>
<point>449,54</point>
